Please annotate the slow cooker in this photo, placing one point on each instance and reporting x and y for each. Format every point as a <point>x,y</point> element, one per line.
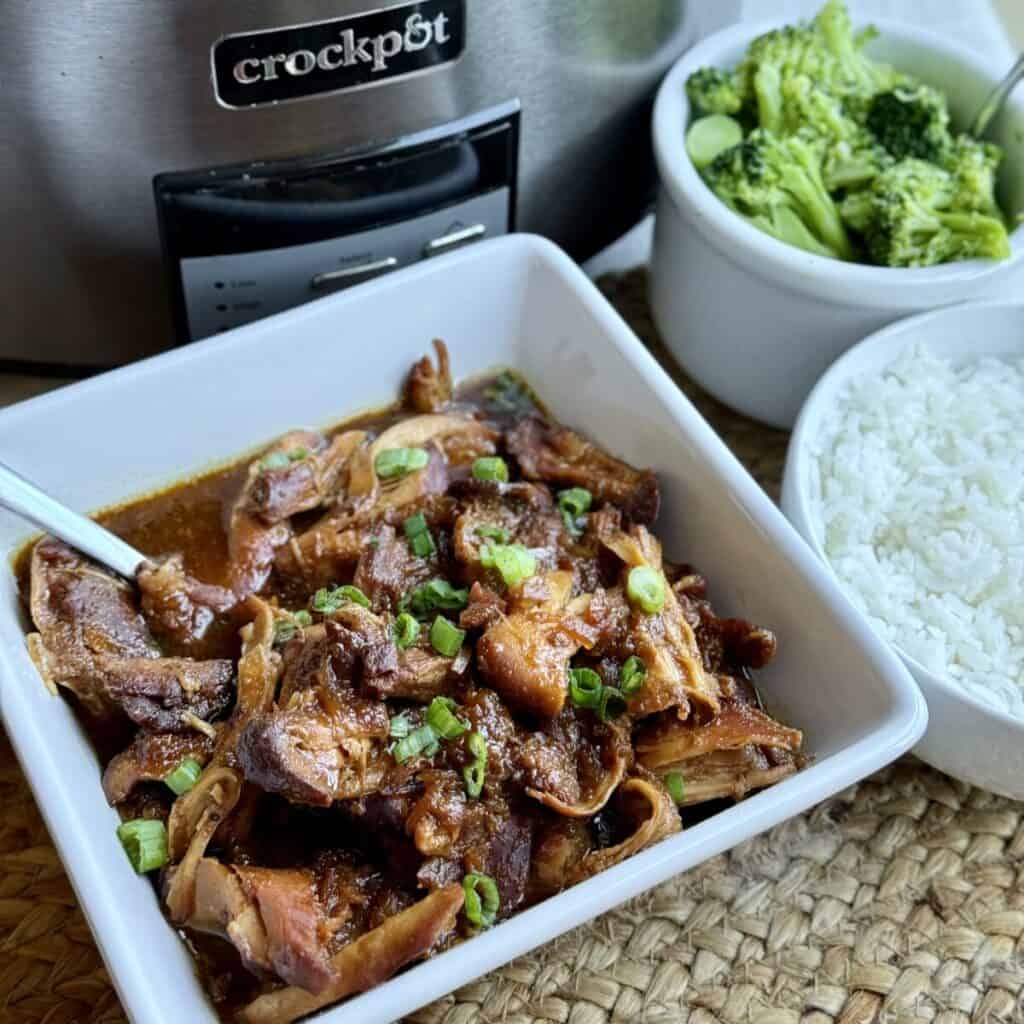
<point>175,169</point>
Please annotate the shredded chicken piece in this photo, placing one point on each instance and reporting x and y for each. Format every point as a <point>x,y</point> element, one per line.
<point>665,640</point>
<point>655,810</point>
<point>369,960</point>
<point>429,389</point>
<point>672,742</point>
<point>525,656</point>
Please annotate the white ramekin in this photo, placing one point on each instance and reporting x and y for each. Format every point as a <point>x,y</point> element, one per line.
<point>967,737</point>
<point>756,321</point>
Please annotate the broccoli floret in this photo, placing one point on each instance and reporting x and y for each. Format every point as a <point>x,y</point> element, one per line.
<point>911,123</point>
<point>849,71</point>
<point>713,91</point>
<point>973,165</point>
<point>852,154</point>
<point>912,222</point>
<point>776,184</point>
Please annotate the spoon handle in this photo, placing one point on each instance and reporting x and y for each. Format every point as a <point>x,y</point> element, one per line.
<point>995,100</point>
<point>28,501</point>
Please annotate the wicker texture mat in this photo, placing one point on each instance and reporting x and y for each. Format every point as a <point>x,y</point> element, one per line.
<point>900,901</point>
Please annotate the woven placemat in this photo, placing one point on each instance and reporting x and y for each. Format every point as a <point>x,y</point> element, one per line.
<point>899,901</point>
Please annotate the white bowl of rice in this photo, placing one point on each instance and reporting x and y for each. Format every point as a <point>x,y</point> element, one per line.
<point>905,473</point>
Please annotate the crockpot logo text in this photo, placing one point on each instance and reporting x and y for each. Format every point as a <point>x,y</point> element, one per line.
<point>375,51</point>
<point>278,64</point>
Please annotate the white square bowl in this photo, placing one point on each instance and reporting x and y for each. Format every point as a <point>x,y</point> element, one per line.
<point>516,301</point>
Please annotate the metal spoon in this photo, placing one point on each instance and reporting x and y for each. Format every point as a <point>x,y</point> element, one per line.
<point>995,100</point>
<point>28,501</point>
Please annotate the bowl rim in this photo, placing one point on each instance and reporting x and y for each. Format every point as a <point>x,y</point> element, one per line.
<point>893,339</point>
<point>778,259</point>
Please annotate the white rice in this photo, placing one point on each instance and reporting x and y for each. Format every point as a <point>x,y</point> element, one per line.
<point>917,484</point>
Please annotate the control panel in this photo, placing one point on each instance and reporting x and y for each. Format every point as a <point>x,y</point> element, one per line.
<point>241,243</point>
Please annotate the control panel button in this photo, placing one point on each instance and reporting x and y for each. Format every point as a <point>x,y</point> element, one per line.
<point>346,275</point>
<point>452,239</point>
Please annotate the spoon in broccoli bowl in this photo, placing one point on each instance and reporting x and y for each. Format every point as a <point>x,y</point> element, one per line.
<point>994,101</point>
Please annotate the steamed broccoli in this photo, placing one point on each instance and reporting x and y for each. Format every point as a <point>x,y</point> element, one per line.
<point>846,157</point>
<point>776,184</point>
<point>912,223</point>
<point>973,165</point>
<point>713,91</point>
<point>911,122</point>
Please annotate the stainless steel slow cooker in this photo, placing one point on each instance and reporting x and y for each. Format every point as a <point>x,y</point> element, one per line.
<point>175,169</point>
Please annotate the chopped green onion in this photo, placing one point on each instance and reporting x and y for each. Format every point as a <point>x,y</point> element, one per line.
<point>508,392</point>
<point>445,637</point>
<point>437,595</point>
<point>420,741</point>
<point>611,705</point>
<point>574,503</point>
<point>585,687</point>
<point>675,787</point>
<point>396,462</point>
<point>278,460</point>
<point>646,588</point>
<point>632,676</point>
<point>418,535</point>
<point>327,601</point>
<point>512,561</point>
<point>400,726</point>
<point>283,632</point>
<point>275,460</point>
<point>496,533</point>
<point>407,630</point>
<point>441,717</point>
<point>145,842</point>
<point>475,773</point>
<point>491,468</point>
<point>185,776</point>
<point>303,618</point>
<point>482,899</point>
<point>423,545</point>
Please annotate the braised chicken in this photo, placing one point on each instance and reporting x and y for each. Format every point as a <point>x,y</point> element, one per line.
<point>379,688</point>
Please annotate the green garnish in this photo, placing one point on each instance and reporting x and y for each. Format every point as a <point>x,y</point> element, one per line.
<point>420,741</point>
<point>585,687</point>
<point>418,534</point>
<point>508,392</point>
<point>491,468</point>
<point>475,773</point>
<point>145,842</point>
<point>185,776</point>
<point>632,676</point>
<point>482,899</point>
<point>675,787</point>
<point>445,637</point>
<point>574,504</point>
<point>612,704</point>
<point>407,630</point>
<point>512,561</point>
<point>400,726</point>
<point>396,462</point>
<point>437,595</point>
<point>278,460</point>
<point>645,587</point>
<point>441,718</point>
<point>284,630</point>
<point>328,600</point>
<point>495,533</point>
<point>288,629</point>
